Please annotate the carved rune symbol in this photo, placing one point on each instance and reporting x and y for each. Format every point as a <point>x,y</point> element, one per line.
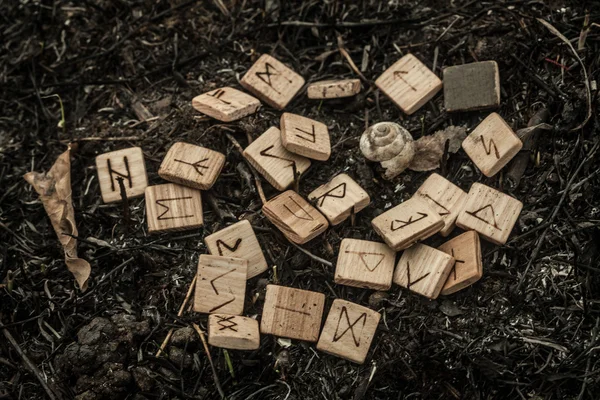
<point>291,164</point>
<point>485,214</point>
<point>333,193</point>
<point>441,213</point>
<point>411,283</point>
<point>217,95</point>
<point>197,165</point>
<point>488,148</point>
<point>364,256</point>
<point>456,261</point>
<point>232,249</point>
<point>350,326</point>
<point>266,75</point>
<point>312,138</point>
<point>227,320</point>
<point>212,283</point>
<point>160,202</point>
<point>398,75</point>
<point>292,310</point>
<point>125,176</point>
<point>406,223</point>
<point>303,214</point>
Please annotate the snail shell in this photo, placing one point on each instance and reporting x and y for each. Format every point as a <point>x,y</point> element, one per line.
<point>385,141</point>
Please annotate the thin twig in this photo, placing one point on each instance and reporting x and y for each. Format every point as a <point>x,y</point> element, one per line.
<point>210,361</point>
<point>311,255</point>
<point>259,187</point>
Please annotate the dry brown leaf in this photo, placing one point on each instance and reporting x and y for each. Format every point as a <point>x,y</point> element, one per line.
<point>429,150</point>
<point>54,188</point>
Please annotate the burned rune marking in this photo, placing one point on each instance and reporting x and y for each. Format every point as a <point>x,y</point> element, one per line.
<point>227,320</point>
<point>212,283</point>
<point>312,137</point>
<point>398,75</point>
<point>485,209</point>
<point>456,261</point>
<point>363,257</point>
<point>404,224</point>
<point>411,283</point>
<point>232,249</point>
<point>351,325</point>
<point>292,310</point>
<point>305,215</point>
<point>265,153</point>
<point>160,202</point>
<point>197,165</point>
<point>269,72</point>
<point>217,95</point>
<point>488,148</point>
<point>125,176</point>
<point>445,212</point>
<point>330,193</point>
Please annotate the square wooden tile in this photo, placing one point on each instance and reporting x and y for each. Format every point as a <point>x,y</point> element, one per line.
<point>337,198</point>
<point>295,217</point>
<point>272,82</point>
<point>333,89</point>
<point>226,104</point>
<point>172,207</point>
<point>238,240</point>
<point>490,213</point>
<point>474,86</point>
<point>444,197</point>
<point>305,136</point>
<point>467,268</point>
<point>365,264</point>
<point>220,285</point>
<point>191,165</point>
<point>292,313</point>
<point>423,269</point>
<point>407,223</point>
<point>127,164</point>
<point>492,144</point>
<point>409,83</point>
<point>348,331</point>
<point>273,161</point>
<point>233,332</point>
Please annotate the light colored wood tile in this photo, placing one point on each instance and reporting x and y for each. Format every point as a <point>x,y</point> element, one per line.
<point>444,197</point>
<point>295,217</point>
<point>339,197</point>
<point>467,268</point>
<point>333,89</point>
<point>220,285</point>
<point>365,264</point>
<point>409,83</point>
<point>272,82</point>
<point>348,331</point>
<point>238,240</point>
<point>191,165</point>
<point>490,213</point>
<point>423,270</point>
<point>226,104</point>
<point>127,164</point>
<point>474,86</point>
<point>407,223</point>
<point>273,161</point>
<point>172,207</point>
<point>292,313</point>
<point>492,144</point>
<point>305,136</point>
<point>233,332</point>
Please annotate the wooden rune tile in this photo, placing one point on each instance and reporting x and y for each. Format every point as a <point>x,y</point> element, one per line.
<point>127,164</point>
<point>492,144</point>
<point>305,136</point>
<point>273,161</point>
<point>490,213</point>
<point>423,269</point>
<point>191,165</point>
<point>292,313</point>
<point>226,104</point>
<point>348,331</point>
<point>295,217</point>
<point>172,207</point>
<point>233,332</point>
<point>474,86</point>
<point>444,197</point>
<point>339,198</point>
<point>365,264</point>
<point>272,82</point>
<point>220,285</point>
<point>333,89</point>
<point>238,240</point>
<point>407,223</point>
<point>409,83</point>
<point>467,268</point>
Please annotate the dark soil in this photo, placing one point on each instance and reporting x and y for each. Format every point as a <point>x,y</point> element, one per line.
<point>527,330</point>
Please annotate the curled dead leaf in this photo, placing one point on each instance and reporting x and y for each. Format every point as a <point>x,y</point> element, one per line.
<point>429,150</point>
